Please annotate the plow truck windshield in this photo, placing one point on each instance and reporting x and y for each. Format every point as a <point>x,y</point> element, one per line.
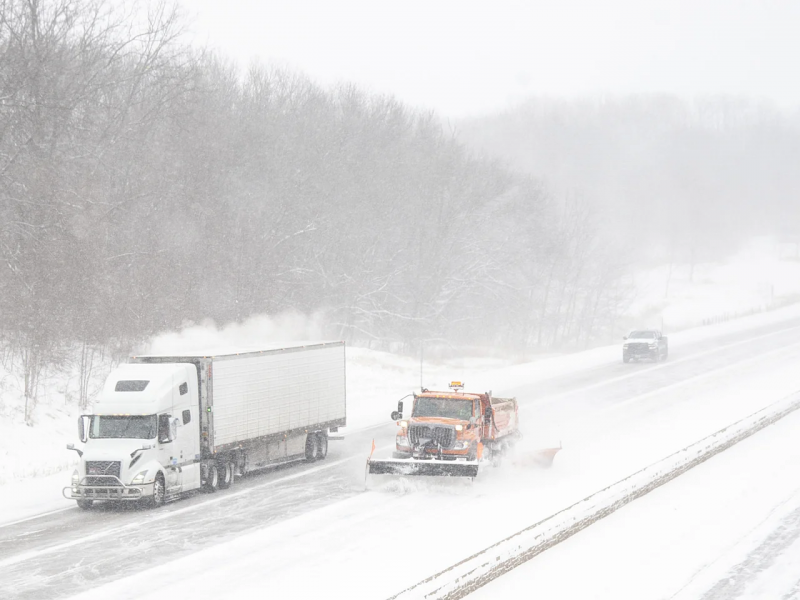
<point>445,408</point>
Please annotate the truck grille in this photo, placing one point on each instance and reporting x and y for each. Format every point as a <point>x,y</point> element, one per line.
<point>638,348</point>
<point>442,435</point>
<point>97,472</point>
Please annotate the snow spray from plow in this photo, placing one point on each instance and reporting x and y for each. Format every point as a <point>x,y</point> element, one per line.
<point>479,569</point>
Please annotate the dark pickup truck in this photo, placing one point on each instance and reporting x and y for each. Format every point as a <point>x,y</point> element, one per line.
<point>645,343</point>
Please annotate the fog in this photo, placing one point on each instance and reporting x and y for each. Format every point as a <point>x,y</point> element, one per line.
<point>149,182</point>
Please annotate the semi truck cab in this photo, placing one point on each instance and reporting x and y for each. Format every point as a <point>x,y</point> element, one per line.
<point>142,440</point>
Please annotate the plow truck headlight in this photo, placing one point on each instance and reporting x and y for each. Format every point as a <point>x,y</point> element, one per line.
<point>459,427</point>
<point>461,445</point>
<point>140,477</point>
<point>402,441</point>
<point>76,478</point>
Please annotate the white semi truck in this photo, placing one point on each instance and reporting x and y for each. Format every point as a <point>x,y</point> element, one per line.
<point>164,425</point>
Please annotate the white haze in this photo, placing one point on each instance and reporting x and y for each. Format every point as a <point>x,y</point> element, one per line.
<point>464,58</point>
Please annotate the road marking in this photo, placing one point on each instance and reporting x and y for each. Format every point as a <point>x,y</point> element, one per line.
<point>172,513</point>
<point>39,516</point>
<point>664,365</point>
<point>703,375</point>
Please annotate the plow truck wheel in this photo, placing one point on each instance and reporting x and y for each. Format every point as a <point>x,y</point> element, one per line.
<point>212,479</point>
<point>473,452</point>
<point>496,455</point>
<point>85,504</point>
<point>226,476</point>
<point>322,445</point>
<point>311,447</point>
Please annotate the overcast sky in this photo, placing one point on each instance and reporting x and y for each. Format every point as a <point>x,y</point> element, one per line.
<point>464,57</point>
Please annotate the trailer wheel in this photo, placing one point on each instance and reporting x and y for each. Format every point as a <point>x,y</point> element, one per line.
<point>312,446</point>
<point>212,479</point>
<point>84,504</point>
<point>226,479</point>
<point>322,445</point>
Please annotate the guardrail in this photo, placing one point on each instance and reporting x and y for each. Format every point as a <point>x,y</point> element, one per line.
<point>479,569</point>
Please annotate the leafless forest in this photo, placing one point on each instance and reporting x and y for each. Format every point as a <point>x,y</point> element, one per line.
<point>145,183</point>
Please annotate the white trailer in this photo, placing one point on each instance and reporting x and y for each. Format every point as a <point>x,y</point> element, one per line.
<point>165,425</point>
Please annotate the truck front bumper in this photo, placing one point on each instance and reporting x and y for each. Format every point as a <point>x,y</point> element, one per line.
<point>116,491</point>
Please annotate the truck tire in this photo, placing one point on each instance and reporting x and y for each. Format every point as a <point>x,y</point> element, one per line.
<point>496,457</point>
<point>212,479</point>
<point>625,358</point>
<point>312,446</point>
<point>84,504</point>
<point>227,475</point>
<point>473,452</point>
<point>322,445</point>
<point>159,493</point>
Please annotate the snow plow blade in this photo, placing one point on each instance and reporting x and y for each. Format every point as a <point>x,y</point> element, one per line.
<point>426,468</point>
<point>545,457</point>
<point>542,459</point>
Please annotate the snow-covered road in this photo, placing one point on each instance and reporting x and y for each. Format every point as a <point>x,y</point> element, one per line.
<point>311,529</point>
<point>728,529</point>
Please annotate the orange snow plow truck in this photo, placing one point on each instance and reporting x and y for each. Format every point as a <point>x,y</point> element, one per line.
<point>450,433</point>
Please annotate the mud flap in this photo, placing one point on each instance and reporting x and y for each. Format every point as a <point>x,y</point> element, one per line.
<point>425,468</point>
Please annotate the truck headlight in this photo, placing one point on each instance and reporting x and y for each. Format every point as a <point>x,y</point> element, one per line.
<point>653,346</point>
<point>76,478</point>
<point>461,445</point>
<point>625,346</point>
<point>402,441</point>
<point>140,477</point>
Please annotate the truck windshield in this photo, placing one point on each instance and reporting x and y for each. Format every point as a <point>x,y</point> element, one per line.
<point>113,426</point>
<point>642,334</point>
<point>446,408</point>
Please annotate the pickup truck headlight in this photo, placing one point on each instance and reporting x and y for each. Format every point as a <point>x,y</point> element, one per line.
<point>402,441</point>
<point>653,345</point>
<point>140,477</point>
<point>625,346</point>
<point>461,445</point>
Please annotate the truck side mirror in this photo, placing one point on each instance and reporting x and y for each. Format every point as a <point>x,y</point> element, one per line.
<point>164,429</point>
<point>82,428</point>
<point>398,414</point>
<point>487,414</point>
<point>72,447</point>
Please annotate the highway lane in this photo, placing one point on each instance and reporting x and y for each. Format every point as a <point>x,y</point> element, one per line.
<point>48,557</point>
<point>728,529</point>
